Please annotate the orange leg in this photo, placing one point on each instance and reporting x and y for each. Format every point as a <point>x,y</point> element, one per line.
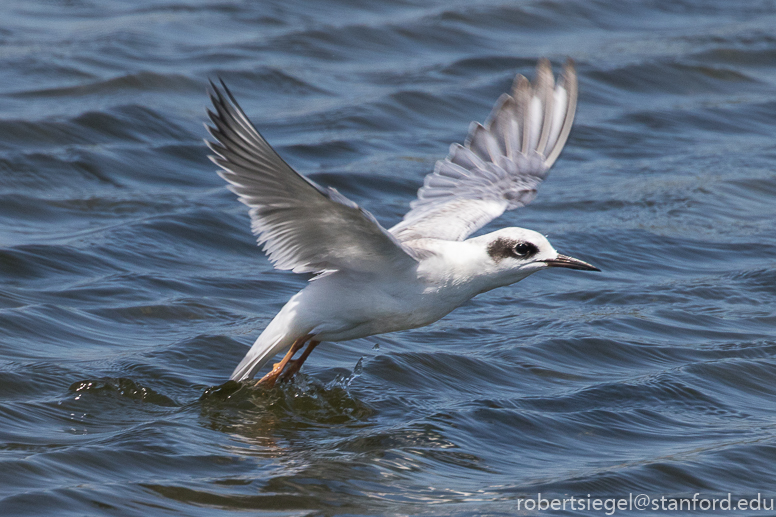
<point>296,364</point>
<point>269,380</point>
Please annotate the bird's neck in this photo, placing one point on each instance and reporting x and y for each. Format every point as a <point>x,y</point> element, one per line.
<point>458,267</point>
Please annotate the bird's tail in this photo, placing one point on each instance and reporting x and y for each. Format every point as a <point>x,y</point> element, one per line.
<point>279,335</point>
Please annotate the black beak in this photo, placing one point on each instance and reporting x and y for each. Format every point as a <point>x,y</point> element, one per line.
<point>570,263</point>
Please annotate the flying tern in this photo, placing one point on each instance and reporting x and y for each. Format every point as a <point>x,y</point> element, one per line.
<point>370,280</point>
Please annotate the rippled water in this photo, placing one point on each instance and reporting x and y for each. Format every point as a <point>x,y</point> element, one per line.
<point>130,285</point>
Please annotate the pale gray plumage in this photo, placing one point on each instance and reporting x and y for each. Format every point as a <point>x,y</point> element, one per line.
<point>501,164</point>
<point>300,224</point>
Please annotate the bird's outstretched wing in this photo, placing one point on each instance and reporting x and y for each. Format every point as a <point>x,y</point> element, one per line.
<point>302,226</point>
<point>502,163</point>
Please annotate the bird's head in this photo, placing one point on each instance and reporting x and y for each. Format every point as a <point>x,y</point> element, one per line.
<point>515,253</point>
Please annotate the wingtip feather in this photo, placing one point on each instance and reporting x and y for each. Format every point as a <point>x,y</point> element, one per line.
<point>502,163</point>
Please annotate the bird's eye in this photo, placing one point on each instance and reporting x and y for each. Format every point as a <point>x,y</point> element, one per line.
<point>524,249</point>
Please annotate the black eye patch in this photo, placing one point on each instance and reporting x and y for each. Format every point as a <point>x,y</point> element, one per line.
<point>502,248</point>
<point>524,249</point>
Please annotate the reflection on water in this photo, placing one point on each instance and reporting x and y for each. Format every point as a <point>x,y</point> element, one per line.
<point>253,412</point>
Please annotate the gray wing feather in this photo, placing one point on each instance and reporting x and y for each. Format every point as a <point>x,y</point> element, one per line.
<point>501,164</point>
<point>302,226</point>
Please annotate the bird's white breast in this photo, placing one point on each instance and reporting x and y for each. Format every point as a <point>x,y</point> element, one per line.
<point>343,306</point>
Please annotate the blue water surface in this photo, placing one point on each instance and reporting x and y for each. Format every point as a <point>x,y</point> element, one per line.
<point>130,284</point>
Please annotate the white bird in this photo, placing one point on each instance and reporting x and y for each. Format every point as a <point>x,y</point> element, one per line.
<point>369,280</point>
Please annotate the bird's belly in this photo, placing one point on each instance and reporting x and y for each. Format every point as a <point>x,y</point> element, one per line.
<point>381,324</point>
<point>367,314</point>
